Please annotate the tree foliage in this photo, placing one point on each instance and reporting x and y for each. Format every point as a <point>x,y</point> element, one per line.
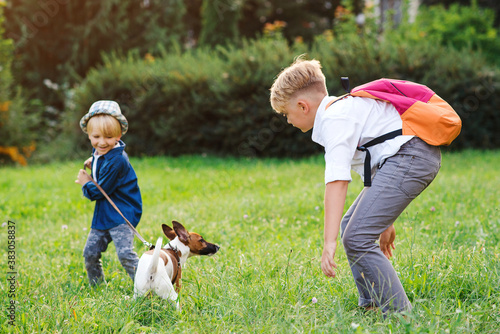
<point>217,101</point>
<point>60,40</point>
<point>16,122</point>
<point>491,4</point>
<point>64,47</point>
<point>219,22</point>
<point>460,27</point>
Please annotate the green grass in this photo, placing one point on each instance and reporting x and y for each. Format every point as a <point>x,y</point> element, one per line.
<point>267,217</point>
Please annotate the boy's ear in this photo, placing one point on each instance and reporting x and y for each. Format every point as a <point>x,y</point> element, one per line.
<point>303,106</point>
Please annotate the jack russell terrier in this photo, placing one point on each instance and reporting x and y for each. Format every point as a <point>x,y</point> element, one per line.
<point>159,269</point>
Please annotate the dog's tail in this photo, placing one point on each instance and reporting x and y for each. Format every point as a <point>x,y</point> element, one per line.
<point>153,265</point>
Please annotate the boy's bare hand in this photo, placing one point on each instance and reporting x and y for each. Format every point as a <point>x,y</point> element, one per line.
<point>88,163</point>
<point>327,260</point>
<point>82,178</point>
<point>386,241</point>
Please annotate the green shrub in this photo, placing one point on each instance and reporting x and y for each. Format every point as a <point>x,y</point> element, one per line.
<point>219,22</point>
<point>457,26</point>
<point>58,41</point>
<point>17,122</point>
<point>461,77</point>
<point>201,101</point>
<point>217,101</point>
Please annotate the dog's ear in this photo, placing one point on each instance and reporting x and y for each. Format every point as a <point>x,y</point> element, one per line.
<point>167,230</point>
<point>181,232</point>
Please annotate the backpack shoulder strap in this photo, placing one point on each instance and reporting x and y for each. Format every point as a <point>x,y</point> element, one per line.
<point>368,160</point>
<point>337,99</point>
<point>380,85</point>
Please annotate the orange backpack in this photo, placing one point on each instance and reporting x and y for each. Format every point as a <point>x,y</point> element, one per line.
<point>423,112</point>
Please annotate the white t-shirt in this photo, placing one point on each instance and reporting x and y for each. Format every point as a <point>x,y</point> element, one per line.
<point>94,165</point>
<point>349,123</point>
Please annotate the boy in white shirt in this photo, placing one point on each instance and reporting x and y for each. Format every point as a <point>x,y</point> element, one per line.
<point>401,169</point>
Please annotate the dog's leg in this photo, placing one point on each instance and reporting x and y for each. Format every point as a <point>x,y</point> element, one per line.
<point>166,291</point>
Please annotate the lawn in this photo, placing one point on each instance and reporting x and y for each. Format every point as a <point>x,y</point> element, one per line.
<point>266,215</point>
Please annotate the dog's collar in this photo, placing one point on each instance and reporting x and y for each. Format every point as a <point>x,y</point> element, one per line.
<point>176,253</point>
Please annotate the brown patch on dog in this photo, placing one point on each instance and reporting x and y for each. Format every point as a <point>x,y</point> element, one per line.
<point>163,255</point>
<point>176,262</point>
<point>199,246</point>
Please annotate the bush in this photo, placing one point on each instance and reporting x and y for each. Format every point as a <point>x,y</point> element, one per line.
<point>16,123</point>
<point>58,41</point>
<point>461,77</point>
<point>219,23</point>
<point>461,27</point>
<point>201,101</point>
<point>491,4</point>
<point>49,62</point>
<point>217,101</point>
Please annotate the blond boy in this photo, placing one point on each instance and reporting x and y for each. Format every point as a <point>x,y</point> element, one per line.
<point>401,169</point>
<point>111,169</point>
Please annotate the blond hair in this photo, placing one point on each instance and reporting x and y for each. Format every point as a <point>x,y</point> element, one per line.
<point>302,76</point>
<point>107,125</point>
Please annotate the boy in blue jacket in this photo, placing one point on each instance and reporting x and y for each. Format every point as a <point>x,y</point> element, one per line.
<point>111,169</point>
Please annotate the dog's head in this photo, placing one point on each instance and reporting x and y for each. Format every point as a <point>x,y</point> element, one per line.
<point>197,245</point>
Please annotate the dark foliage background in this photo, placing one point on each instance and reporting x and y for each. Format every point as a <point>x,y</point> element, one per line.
<point>218,101</point>
<point>193,76</point>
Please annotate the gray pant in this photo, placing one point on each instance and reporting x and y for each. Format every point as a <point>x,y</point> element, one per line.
<point>401,179</point>
<point>97,242</point>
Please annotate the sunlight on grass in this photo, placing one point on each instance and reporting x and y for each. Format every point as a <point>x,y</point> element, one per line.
<point>267,217</point>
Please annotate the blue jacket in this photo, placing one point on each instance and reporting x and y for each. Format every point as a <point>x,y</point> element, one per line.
<point>118,179</point>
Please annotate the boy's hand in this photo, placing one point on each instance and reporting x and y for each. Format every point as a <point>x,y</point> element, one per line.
<point>386,241</point>
<point>327,259</point>
<point>82,178</point>
<point>88,163</point>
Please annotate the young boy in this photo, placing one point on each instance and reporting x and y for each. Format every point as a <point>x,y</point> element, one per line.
<point>111,169</point>
<point>401,168</point>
